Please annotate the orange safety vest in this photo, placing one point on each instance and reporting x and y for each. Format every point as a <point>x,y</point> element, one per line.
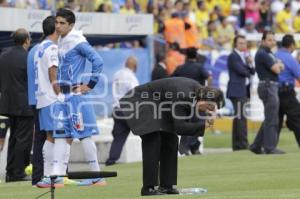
<point>192,38</point>
<point>174,59</point>
<point>174,31</point>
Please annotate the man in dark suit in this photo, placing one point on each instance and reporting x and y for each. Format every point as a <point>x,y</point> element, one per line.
<point>14,104</point>
<point>238,90</point>
<point>159,111</point>
<point>194,70</point>
<point>160,70</point>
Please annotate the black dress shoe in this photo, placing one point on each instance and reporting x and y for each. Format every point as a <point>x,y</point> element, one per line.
<point>195,152</point>
<point>17,179</point>
<point>167,190</point>
<point>150,191</point>
<point>275,151</point>
<point>256,150</point>
<point>109,162</point>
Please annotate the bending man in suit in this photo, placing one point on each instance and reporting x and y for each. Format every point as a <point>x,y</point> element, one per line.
<point>159,111</point>
<point>238,90</point>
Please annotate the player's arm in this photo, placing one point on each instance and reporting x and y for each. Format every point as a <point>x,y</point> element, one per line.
<point>52,72</point>
<point>90,53</point>
<point>52,68</point>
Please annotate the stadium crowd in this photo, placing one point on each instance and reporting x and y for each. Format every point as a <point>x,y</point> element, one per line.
<point>209,17</point>
<point>204,24</point>
<point>262,14</point>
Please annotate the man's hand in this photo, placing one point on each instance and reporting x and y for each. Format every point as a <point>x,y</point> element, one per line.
<point>61,97</point>
<point>277,68</point>
<point>81,89</point>
<point>209,123</point>
<point>249,60</point>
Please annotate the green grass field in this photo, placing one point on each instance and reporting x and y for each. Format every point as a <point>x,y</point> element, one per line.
<point>235,175</point>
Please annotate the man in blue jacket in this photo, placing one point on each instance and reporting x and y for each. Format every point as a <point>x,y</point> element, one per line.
<point>288,102</point>
<point>75,117</point>
<point>238,91</point>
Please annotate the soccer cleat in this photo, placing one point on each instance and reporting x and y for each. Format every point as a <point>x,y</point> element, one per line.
<point>93,182</point>
<point>67,181</point>
<point>46,183</point>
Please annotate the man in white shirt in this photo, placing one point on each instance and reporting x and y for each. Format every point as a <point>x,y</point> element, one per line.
<point>123,81</point>
<point>45,67</point>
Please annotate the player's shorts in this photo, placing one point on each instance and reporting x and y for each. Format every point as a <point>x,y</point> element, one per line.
<point>46,118</point>
<point>4,124</point>
<point>75,119</point>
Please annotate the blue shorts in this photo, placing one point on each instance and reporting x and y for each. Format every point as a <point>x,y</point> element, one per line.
<point>75,119</point>
<point>46,118</point>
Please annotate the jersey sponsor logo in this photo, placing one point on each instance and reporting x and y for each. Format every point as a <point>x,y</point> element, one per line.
<point>77,121</point>
<point>41,53</point>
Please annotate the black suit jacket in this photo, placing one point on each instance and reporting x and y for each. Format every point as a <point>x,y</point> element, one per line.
<point>238,72</point>
<point>158,72</point>
<point>193,70</point>
<point>163,105</point>
<point>13,83</point>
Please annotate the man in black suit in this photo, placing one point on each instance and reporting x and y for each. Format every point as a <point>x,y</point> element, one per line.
<point>14,104</point>
<point>159,111</point>
<point>194,70</point>
<point>160,70</point>
<point>238,90</point>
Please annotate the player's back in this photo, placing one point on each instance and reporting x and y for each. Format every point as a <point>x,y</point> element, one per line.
<point>45,57</point>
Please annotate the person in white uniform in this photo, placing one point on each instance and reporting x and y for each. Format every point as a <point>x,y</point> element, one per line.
<point>123,81</point>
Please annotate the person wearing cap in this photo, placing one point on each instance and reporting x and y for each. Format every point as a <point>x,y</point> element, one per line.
<point>225,34</point>
<point>160,110</point>
<point>236,13</point>
<point>289,104</point>
<point>268,69</point>
<point>196,71</point>
<point>14,104</point>
<point>249,27</point>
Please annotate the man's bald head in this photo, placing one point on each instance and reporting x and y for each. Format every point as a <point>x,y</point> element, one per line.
<point>131,63</point>
<point>21,36</point>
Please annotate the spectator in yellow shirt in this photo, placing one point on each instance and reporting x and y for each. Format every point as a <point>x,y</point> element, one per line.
<point>297,22</point>
<point>284,20</point>
<point>202,17</point>
<point>128,8</point>
<point>225,6</point>
<point>210,5</point>
<point>225,33</point>
<point>296,25</point>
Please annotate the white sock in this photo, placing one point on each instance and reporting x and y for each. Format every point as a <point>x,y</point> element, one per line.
<point>90,151</point>
<point>61,154</point>
<point>66,158</point>
<point>48,157</point>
